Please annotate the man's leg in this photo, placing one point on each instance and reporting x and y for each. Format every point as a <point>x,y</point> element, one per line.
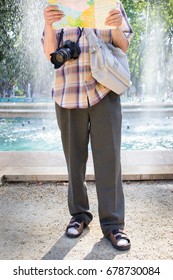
<point>106,141</point>
<point>74,127</point>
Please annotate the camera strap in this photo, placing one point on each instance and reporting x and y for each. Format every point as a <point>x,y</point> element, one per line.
<point>60,37</point>
<point>62,33</point>
<point>80,34</point>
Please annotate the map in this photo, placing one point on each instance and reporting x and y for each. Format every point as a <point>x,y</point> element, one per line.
<point>84,13</point>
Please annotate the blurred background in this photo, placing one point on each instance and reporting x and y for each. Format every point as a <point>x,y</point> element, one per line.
<point>26,78</point>
<point>24,69</point>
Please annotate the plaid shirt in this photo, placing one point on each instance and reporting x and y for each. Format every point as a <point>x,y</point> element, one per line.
<point>74,86</point>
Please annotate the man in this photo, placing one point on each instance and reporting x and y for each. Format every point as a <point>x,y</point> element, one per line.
<point>86,109</point>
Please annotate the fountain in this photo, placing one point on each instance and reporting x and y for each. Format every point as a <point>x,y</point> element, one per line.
<point>37,71</point>
<point>28,96</point>
<point>13,91</point>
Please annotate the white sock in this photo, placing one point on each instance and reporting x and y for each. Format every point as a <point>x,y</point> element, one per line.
<point>122,242</point>
<point>72,230</point>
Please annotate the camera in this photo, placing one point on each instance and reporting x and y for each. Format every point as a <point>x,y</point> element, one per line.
<point>70,50</point>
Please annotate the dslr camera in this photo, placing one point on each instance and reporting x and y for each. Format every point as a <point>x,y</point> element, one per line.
<point>70,50</point>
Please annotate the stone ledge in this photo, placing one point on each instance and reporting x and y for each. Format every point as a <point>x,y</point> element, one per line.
<point>51,166</point>
<point>138,173</point>
<point>18,109</point>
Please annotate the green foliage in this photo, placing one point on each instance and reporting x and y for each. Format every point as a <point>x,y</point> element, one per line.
<point>10,23</point>
<point>21,53</point>
<point>152,22</point>
<point>136,11</point>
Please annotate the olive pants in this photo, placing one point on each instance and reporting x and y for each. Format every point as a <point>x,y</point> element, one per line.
<point>102,123</point>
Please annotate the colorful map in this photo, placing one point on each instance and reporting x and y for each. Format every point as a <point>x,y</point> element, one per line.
<point>83,13</point>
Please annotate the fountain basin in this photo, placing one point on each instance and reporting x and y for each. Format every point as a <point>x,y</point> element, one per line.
<point>139,132</point>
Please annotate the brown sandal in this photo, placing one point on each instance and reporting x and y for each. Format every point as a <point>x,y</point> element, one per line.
<point>117,235</point>
<point>78,225</point>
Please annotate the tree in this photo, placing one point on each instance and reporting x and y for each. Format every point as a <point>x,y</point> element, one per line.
<point>21,57</point>
<point>150,51</point>
<point>10,24</point>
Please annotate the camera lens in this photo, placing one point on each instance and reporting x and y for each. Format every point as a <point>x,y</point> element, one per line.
<point>59,57</point>
<point>63,55</point>
<point>70,50</point>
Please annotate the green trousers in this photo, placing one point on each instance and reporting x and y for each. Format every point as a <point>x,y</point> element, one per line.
<point>102,124</point>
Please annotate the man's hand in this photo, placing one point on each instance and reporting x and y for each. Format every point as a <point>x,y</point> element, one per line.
<point>114,18</point>
<point>52,14</point>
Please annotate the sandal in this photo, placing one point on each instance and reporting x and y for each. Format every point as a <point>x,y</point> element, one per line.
<point>76,224</point>
<point>118,235</point>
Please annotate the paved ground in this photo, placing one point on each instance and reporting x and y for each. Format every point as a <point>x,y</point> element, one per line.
<point>33,218</point>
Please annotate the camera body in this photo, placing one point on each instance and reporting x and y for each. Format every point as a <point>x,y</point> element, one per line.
<point>70,50</point>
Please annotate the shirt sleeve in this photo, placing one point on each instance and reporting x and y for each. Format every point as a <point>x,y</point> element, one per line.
<point>125,27</point>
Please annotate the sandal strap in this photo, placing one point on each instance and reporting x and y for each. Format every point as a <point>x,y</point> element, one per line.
<point>74,224</point>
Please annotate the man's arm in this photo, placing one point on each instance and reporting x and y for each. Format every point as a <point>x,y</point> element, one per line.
<point>118,37</point>
<point>51,15</point>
